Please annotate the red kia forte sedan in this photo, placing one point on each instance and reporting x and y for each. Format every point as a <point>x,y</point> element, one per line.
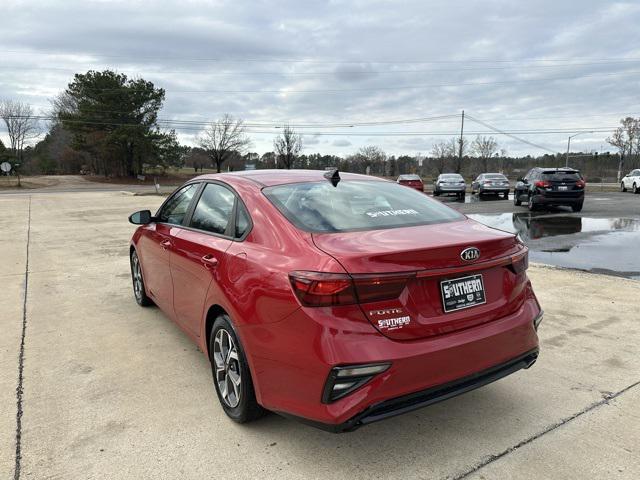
<point>333,298</point>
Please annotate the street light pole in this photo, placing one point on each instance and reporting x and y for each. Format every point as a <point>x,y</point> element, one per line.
<point>566,162</point>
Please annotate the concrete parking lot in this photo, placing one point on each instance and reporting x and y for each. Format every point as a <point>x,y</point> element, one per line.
<point>93,386</point>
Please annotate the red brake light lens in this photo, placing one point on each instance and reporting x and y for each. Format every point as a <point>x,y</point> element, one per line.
<point>317,289</point>
<point>581,184</point>
<point>373,288</point>
<point>543,184</point>
<point>521,264</point>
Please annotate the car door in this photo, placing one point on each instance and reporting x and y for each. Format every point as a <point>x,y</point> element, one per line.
<point>635,178</point>
<point>155,245</point>
<point>198,256</point>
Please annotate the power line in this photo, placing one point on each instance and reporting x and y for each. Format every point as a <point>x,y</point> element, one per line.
<point>497,130</point>
<point>315,61</point>
<point>334,72</point>
<point>284,91</point>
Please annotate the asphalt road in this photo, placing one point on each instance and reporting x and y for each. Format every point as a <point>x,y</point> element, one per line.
<point>94,387</point>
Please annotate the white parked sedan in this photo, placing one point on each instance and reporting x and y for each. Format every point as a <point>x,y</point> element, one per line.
<point>631,181</point>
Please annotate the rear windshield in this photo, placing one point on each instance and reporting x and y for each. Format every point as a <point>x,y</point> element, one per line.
<point>453,176</point>
<point>409,177</point>
<point>356,205</point>
<point>556,176</point>
<point>495,176</point>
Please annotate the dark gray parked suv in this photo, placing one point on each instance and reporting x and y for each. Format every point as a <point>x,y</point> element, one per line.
<point>543,187</point>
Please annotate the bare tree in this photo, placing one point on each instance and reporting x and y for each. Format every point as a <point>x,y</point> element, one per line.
<point>626,139</point>
<point>440,152</point>
<point>21,124</point>
<point>457,150</point>
<point>371,158</point>
<point>224,137</point>
<point>484,148</point>
<point>287,146</point>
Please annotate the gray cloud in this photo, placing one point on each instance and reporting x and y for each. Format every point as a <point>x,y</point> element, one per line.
<point>341,143</point>
<point>338,61</point>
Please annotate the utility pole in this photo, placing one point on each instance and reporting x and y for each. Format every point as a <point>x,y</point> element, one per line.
<point>461,141</point>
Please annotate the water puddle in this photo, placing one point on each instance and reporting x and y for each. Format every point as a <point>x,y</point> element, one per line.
<point>603,245</point>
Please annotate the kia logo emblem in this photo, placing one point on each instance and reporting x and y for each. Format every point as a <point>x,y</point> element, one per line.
<point>470,254</point>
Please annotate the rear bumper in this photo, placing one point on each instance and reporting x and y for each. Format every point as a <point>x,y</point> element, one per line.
<point>451,189</point>
<point>558,199</point>
<point>424,398</point>
<point>290,374</point>
<point>494,189</point>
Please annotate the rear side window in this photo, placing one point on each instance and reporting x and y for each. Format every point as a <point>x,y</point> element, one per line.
<point>175,209</point>
<point>555,176</point>
<point>242,221</point>
<point>213,211</point>
<point>356,205</point>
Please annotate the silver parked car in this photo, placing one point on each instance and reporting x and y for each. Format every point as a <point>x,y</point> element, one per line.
<point>491,183</point>
<point>449,183</point>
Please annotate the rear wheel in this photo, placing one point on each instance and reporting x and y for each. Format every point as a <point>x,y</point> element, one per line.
<point>506,195</point>
<point>516,198</point>
<point>231,375</point>
<point>622,187</point>
<point>139,291</point>
<point>577,208</point>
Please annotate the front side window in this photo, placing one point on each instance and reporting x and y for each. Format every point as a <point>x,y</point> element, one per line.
<point>356,205</point>
<point>214,208</point>
<point>175,209</point>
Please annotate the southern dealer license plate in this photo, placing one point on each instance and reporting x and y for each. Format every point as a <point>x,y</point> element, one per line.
<point>462,293</point>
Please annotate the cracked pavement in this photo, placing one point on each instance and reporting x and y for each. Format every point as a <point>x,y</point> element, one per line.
<point>111,390</point>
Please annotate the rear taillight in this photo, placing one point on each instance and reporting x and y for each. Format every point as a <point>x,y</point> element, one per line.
<point>581,184</point>
<point>543,184</point>
<point>520,264</point>
<point>317,289</point>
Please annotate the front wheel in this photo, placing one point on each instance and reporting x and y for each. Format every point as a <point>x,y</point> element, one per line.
<point>636,188</point>
<point>139,291</point>
<point>231,375</point>
<point>622,187</point>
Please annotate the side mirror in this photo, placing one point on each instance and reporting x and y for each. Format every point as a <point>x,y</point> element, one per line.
<point>142,217</point>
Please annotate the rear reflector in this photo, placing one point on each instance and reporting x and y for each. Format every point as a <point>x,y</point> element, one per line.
<point>318,289</point>
<point>344,380</point>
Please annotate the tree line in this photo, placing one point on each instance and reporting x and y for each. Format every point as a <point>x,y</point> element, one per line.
<point>105,123</point>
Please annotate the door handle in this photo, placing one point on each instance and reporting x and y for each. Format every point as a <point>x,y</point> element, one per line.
<point>165,244</point>
<point>209,261</point>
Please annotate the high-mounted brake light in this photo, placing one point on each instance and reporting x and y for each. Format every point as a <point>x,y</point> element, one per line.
<point>318,289</point>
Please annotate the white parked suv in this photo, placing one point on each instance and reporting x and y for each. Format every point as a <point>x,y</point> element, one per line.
<point>631,181</point>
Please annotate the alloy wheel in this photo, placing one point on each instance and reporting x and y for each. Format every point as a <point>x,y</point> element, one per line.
<point>227,368</point>
<point>137,276</point>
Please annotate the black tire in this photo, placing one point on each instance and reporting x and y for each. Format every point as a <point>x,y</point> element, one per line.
<point>577,208</point>
<point>622,187</point>
<point>436,193</point>
<point>516,198</point>
<point>241,407</point>
<point>636,188</point>
<point>531,204</point>
<point>139,290</point>
<point>506,195</point>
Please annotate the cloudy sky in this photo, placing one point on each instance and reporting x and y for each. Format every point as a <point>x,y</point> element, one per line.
<point>349,73</point>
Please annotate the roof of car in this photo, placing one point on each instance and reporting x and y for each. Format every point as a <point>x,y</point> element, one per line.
<point>280,177</point>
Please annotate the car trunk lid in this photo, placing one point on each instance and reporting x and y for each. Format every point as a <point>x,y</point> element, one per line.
<point>431,254</point>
